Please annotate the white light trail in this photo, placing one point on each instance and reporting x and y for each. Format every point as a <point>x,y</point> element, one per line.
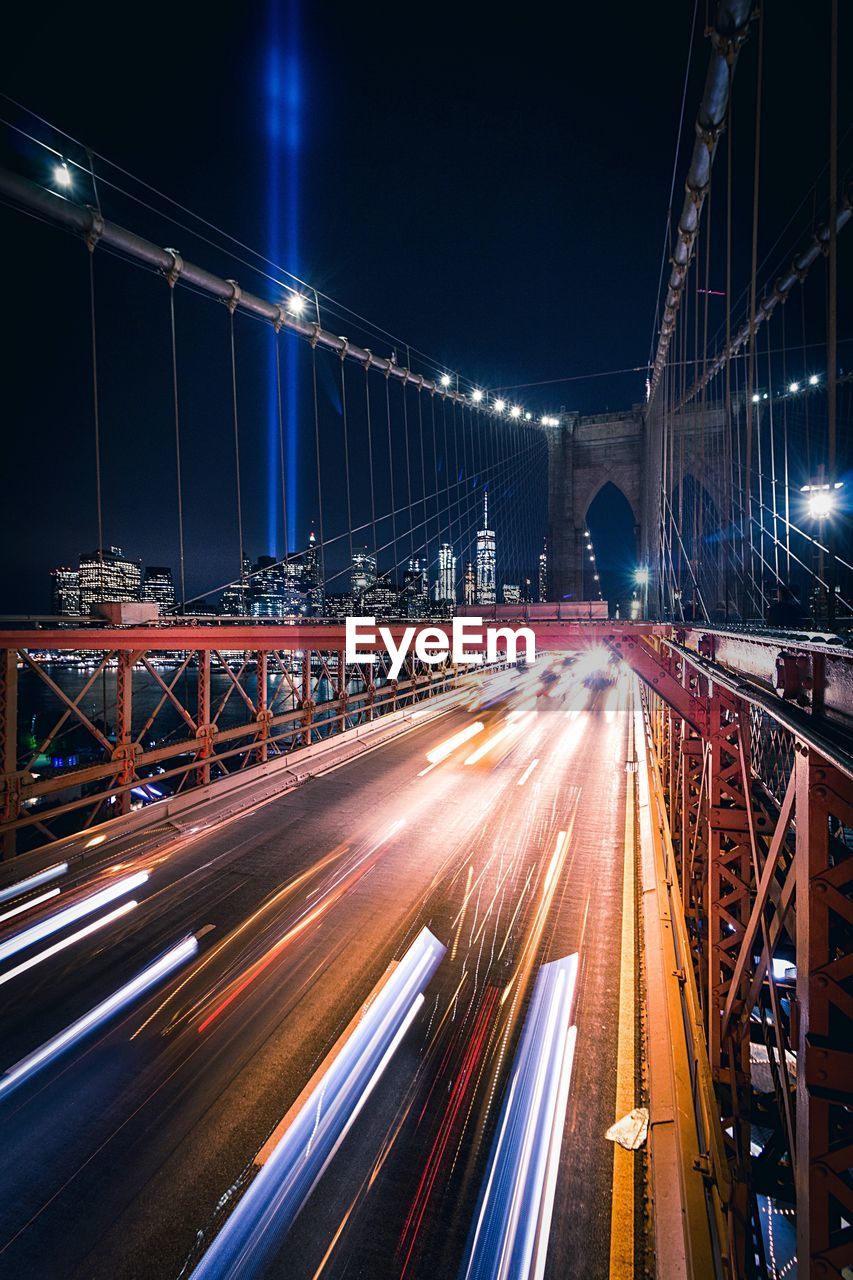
<point>33,882</point>
<point>512,726</point>
<point>31,902</point>
<point>76,911</point>
<point>67,942</point>
<point>312,1136</point>
<point>444,749</point>
<point>514,1223</point>
<point>99,1015</point>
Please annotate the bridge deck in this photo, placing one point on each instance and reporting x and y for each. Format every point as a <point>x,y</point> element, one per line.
<point>118,1157</point>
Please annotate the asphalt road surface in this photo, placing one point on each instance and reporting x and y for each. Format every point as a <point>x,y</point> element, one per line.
<point>127,1147</point>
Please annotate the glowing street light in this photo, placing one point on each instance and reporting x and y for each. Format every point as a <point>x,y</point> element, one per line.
<point>756,398</point>
<point>445,379</point>
<point>62,176</point>
<point>515,411</point>
<point>476,395</point>
<point>821,503</point>
<point>527,417</point>
<point>794,388</point>
<point>641,577</point>
<point>296,304</point>
<point>813,380</point>
<point>500,405</point>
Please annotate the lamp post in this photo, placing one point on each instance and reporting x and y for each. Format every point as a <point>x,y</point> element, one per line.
<point>821,502</point>
<point>641,577</point>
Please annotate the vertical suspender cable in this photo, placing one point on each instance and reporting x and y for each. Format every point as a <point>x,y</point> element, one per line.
<point>404,385</point>
<point>346,450</point>
<point>177,445</point>
<point>317,454</point>
<point>237,451</point>
<point>95,405</point>
<point>832,316</point>
<point>756,174</point>
<point>391,465</point>
<point>728,461</point>
<point>281,447</point>
<point>423,474</point>
<point>370,459</point>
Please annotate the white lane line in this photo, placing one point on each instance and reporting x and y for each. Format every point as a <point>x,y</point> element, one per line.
<point>527,772</point>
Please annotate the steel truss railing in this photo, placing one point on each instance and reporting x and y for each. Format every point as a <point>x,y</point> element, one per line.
<point>760,808</point>
<point>213,711</point>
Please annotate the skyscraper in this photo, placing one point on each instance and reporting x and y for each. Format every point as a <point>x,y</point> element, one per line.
<point>65,592</point>
<point>446,586</point>
<point>415,590</point>
<point>312,577</point>
<point>276,589</point>
<point>108,575</point>
<point>157,586</point>
<point>235,597</point>
<point>362,572</point>
<point>543,571</point>
<point>470,584</point>
<point>485,558</point>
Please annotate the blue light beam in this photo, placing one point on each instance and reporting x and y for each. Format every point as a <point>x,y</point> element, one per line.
<point>284,145</point>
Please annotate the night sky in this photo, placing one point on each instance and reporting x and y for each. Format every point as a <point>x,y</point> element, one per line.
<point>492,190</point>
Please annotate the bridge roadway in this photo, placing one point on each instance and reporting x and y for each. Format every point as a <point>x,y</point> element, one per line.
<point>117,1154</point>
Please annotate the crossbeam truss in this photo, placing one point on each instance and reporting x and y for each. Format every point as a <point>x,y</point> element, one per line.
<point>762,830</point>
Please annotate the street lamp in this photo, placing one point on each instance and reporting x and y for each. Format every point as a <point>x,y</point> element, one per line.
<point>476,395</point>
<point>794,388</point>
<point>821,502</point>
<point>500,405</point>
<point>641,577</point>
<point>296,304</point>
<point>813,380</point>
<point>445,379</point>
<point>515,411</point>
<point>62,176</point>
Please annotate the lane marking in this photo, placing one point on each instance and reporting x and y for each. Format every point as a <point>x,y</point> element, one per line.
<point>622,1203</point>
<point>527,772</point>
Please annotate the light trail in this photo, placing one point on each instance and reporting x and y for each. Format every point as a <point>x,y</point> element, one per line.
<point>96,1017</point>
<point>510,1239</point>
<point>444,749</point>
<point>332,892</point>
<point>37,932</point>
<point>67,942</point>
<point>31,902</point>
<point>247,1241</point>
<point>33,882</point>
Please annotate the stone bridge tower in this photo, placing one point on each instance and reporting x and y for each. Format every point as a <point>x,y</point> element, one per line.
<point>627,449</point>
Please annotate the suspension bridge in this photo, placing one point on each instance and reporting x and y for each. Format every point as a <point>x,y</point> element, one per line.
<point>529,962</point>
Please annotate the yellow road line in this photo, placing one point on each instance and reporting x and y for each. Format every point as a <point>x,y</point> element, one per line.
<point>622,1205</point>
